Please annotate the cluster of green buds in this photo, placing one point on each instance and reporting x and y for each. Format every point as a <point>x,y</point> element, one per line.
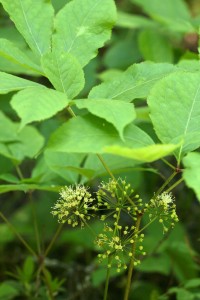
<point>163,207</point>
<point>117,195</point>
<point>116,243</point>
<point>117,199</point>
<point>75,206</point>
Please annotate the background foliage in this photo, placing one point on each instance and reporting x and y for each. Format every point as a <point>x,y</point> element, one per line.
<point>136,102</point>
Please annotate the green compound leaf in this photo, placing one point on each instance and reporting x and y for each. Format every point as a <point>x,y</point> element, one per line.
<point>83,26</point>
<point>90,134</point>
<point>10,83</point>
<point>11,53</point>
<point>145,154</point>
<point>34,20</point>
<point>191,173</point>
<point>64,72</point>
<point>116,112</point>
<point>135,82</point>
<point>37,104</point>
<point>175,111</point>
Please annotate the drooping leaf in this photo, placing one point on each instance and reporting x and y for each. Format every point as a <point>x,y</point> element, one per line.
<point>11,53</point>
<point>135,82</point>
<point>175,111</point>
<point>11,83</point>
<point>37,104</point>
<point>155,47</point>
<point>115,112</point>
<point>191,172</point>
<point>88,26</point>
<point>64,72</point>
<point>63,164</point>
<point>29,16</point>
<point>145,154</point>
<point>90,134</point>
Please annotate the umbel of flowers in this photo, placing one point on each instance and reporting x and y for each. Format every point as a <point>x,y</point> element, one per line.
<point>120,209</point>
<point>75,205</point>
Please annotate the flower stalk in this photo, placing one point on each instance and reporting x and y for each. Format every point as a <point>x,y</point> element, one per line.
<point>132,261</point>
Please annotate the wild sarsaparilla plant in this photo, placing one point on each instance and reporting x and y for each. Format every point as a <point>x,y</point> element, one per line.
<point>120,241</point>
<point>101,127</point>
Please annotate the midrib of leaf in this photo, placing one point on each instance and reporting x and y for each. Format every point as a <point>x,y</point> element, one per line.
<point>132,88</point>
<point>82,23</point>
<point>188,120</point>
<point>29,28</point>
<point>60,74</point>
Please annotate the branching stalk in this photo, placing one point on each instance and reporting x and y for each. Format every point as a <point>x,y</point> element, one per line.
<point>131,265</point>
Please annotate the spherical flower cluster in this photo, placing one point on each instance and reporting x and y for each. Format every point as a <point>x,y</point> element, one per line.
<point>74,206</point>
<point>116,243</point>
<point>118,195</point>
<point>163,207</point>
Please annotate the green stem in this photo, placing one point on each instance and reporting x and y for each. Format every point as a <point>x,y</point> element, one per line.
<point>18,235</point>
<point>113,177</point>
<point>165,184</point>
<point>19,172</point>
<point>71,112</point>
<point>107,279</point>
<point>53,240</point>
<point>174,185</point>
<point>167,163</point>
<point>131,265</point>
<point>106,167</point>
<point>147,225</point>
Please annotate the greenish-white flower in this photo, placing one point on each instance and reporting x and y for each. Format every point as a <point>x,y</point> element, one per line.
<point>163,207</point>
<point>75,205</point>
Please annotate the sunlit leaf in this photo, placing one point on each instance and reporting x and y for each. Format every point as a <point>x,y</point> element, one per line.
<point>29,16</point>
<point>175,111</point>
<point>37,104</point>
<point>88,27</point>
<point>115,112</point>
<point>64,72</point>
